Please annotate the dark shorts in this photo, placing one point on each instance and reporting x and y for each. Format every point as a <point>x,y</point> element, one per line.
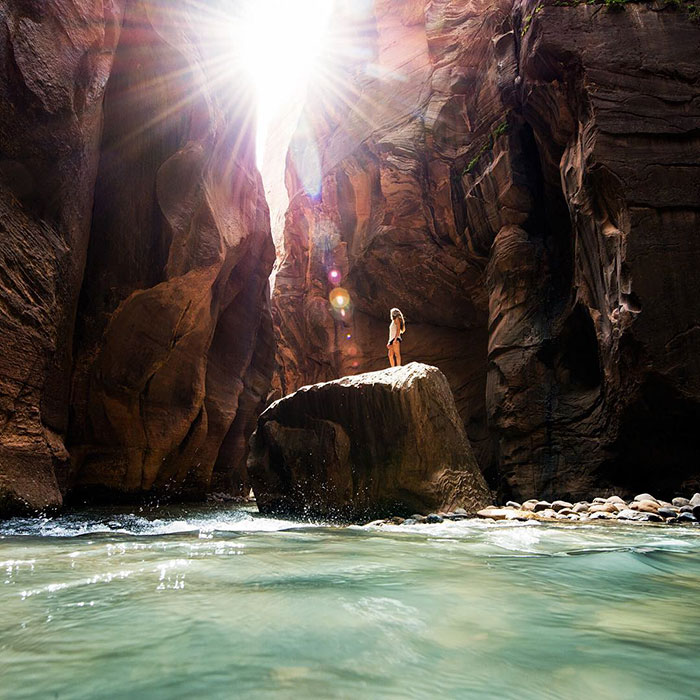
<point>394,340</point>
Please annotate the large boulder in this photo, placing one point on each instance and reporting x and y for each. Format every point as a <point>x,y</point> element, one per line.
<point>380,443</point>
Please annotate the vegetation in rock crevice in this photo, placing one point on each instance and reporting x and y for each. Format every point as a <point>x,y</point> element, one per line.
<point>502,128</point>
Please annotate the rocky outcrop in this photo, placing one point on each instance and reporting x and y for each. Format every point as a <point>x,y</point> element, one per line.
<point>520,178</point>
<point>54,64</point>
<point>136,251</point>
<point>388,442</point>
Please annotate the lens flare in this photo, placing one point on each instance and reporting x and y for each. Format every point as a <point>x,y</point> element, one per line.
<point>340,298</point>
<point>334,276</point>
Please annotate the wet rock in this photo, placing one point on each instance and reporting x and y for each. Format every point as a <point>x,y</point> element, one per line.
<point>387,441</point>
<point>460,511</point>
<point>530,504</point>
<point>695,500</point>
<point>685,517</point>
<point>433,518</point>
<point>514,504</point>
<point>654,518</point>
<point>667,512</point>
<point>581,507</point>
<point>417,517</point>
<point>686,509</point>
<point>599,500</point>
<point>680,501</point>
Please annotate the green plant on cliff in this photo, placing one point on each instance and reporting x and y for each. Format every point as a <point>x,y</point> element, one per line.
<point>502,128</point>
<point>529,18</point>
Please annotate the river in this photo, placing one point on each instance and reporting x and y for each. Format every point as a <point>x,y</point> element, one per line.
<point>223,603</point>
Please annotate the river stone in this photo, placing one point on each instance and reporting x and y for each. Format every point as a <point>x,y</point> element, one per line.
<point>615,499</point>
<point>417,517</point>
<point>598,500</point>
<point>542,505</point>
<point>559,505</point>
<point>680,501</point>
<point>600,515</point>
<point>686,509</point>
<point>629,514</point>
<point>513,504</point>
<point>387,441</point>
<point>530,504</point>
<point>602,508</point>
<point>695,500</point>
<point>581,507</point>
<point>460,511</point>
<point>645,497</point>
<point>494,513</point>
<point>647,506</point>
<point>667,512</point>
<point>686,518</point>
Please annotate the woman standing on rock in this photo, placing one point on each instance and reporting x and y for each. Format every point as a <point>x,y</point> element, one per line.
<point>397,326</point>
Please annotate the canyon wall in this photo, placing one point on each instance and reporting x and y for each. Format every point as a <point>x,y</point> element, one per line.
<point>136,249</point>
<point>521,179</point>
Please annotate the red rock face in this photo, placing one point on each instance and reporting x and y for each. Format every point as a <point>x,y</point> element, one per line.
<point>146,310</point>
<point>521,180</point>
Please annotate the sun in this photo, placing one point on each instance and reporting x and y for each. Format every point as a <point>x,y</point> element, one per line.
<point>280,44</point>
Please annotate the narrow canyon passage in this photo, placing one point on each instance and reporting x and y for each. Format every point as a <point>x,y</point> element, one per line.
<point>520,178</point>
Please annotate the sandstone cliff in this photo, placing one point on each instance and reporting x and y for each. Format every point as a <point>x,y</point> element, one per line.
<point>521,179</point>
<point>135,252</point>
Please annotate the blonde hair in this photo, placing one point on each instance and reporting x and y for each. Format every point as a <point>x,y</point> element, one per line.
<point>396,313</point>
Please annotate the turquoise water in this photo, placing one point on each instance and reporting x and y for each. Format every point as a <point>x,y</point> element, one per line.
<point>222,603</point>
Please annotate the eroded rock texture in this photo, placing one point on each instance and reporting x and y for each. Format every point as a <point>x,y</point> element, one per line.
<point>521,179</point>
<point>374,444</point>
<point>169,354</point>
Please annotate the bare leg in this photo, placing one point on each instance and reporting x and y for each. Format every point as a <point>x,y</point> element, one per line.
<point>397,353</point>
<point>391,355</point>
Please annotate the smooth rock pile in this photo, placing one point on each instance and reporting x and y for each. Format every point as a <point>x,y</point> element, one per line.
<point>644,508</point>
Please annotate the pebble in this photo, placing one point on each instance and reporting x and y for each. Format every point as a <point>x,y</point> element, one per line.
<point>680,502</point>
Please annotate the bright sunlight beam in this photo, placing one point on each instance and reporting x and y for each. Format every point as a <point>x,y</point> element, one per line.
<point>280,43</point>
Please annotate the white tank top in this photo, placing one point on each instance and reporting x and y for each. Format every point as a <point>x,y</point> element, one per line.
<point>392,330</point>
